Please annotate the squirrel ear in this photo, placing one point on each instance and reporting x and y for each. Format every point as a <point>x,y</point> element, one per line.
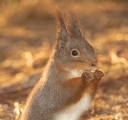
<point>73,26</point>
<point>62,33</point>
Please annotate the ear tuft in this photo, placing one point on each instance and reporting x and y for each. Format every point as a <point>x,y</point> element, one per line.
<point>62,33</point>
<point>73,26</point>
<point>61,25</point>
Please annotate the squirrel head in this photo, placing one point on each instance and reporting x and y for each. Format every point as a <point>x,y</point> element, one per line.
<point>72,51</point>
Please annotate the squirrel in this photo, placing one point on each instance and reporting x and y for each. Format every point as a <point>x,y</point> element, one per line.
<point>67,85</point>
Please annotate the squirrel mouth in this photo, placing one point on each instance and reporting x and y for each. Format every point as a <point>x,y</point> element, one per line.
<point>88,70</point>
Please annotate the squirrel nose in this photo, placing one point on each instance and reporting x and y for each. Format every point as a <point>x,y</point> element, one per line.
<point>94,63</point>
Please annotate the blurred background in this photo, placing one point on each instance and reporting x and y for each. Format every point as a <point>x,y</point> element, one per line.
<point>27,36</point>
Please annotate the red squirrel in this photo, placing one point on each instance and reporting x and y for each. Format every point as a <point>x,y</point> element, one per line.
<point>67,85</point>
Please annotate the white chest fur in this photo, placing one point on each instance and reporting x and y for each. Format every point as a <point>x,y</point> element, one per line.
<point>76,110</point>
<point>75,73</point>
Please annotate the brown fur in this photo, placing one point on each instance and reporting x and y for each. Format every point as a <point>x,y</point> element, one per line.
<point>57,89</point>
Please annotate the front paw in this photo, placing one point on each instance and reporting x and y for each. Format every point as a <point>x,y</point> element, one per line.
<point>88,76</point>
<point>98,75</point>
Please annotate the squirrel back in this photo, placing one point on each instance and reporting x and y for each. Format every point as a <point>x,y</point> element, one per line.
<point>67,85</point>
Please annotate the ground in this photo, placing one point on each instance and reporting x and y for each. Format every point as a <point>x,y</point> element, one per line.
<point>27,35</point>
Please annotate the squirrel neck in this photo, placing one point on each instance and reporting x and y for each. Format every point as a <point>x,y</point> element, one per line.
<point>59,73</point>
<point>54,72</point>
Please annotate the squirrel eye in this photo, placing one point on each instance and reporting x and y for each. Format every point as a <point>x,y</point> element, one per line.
<point>74,53</point>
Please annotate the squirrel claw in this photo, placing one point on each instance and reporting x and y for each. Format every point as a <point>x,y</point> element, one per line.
<point>87,76</point>
<point>98,75</point>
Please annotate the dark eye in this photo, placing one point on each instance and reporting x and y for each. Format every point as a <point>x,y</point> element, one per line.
<point>74,53</point>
